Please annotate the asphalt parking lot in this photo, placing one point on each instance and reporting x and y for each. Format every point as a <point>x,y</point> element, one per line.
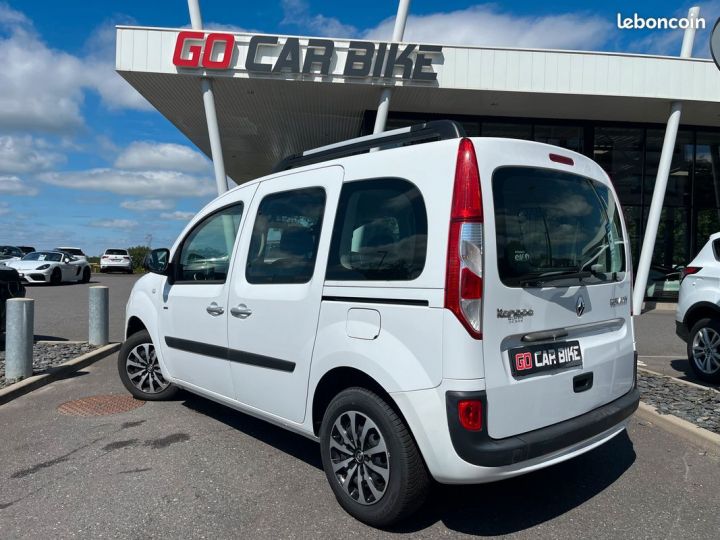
<point>193,468</point>
<point>61,312</point>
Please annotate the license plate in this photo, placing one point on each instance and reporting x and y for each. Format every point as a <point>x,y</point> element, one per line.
<point>545,357</point>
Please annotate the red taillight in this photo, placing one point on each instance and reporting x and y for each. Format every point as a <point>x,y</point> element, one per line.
<point>464,270</point>
<point>126,257</point>
<point>557,158</point>
<point>470,414</point>
<point>689,270</point>
<point>105,257</point>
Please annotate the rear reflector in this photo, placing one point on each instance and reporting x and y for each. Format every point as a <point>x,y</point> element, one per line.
<point>557,158</point>
<point>470,414</point>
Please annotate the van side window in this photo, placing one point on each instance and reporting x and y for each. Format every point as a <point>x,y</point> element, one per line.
<point>205,253</point>
<point>285,238</point>
<point>380,232</point>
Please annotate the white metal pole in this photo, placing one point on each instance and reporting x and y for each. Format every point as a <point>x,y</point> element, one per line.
<point>210,111</point>
<point>195,18</point>
<point>661,179</point>
<point>398,32</point>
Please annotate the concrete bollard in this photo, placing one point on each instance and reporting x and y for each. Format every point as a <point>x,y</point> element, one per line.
<point>19,336</point>
<point>99,316</point>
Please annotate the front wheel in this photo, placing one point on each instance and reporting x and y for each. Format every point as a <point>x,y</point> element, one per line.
<point>140,371</point>
<point>703,350</point>
<point>370,459</point>
<point>56,277</point>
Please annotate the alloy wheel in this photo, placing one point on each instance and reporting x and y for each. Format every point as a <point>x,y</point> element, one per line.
<point>360,457</point>
<point>144,371</point>
<point>706,350</point>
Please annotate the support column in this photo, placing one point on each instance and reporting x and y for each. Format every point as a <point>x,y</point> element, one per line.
<point>398,32</point>
<point>210,112</point>
<point>661,179</point>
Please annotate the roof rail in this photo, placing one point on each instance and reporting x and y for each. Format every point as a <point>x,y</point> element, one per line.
<point>436,130</point>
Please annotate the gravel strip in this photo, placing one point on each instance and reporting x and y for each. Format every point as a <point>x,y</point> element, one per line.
<point>701,407</point>
<point>47,355</point>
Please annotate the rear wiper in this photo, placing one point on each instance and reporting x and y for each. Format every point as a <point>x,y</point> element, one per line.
<point>549,277</point>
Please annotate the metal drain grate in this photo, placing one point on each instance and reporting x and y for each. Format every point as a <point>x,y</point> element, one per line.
<point>100,405</point>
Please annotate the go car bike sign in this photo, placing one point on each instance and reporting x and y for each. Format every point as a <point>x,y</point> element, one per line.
<point>273,54</point>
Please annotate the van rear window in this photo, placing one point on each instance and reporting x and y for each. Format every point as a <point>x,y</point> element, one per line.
<point>554,228</point>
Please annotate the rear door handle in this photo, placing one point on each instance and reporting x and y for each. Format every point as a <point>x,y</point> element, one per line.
<point>215,310</point>
<point>241,311</point>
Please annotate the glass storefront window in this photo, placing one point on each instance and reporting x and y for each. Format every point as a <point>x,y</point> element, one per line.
<point>620,151</point>
<point>678,186</point>
<point>708,222</point>
<point>707,172</point>
<point>507,130</point>
<point>570,137</point>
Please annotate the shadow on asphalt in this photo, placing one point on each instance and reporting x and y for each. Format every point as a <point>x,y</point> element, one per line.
<point>683,366</point>
<point>487,510</point>
<point>295,445</point>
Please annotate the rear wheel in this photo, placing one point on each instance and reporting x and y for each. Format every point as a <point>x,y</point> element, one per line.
<point>55,277</point>
<point>86,275</point>
<point>370,459</point>
<point>703,349</point>
<point>140,371</point>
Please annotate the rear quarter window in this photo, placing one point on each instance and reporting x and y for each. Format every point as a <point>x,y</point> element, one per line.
<point>380,232</point>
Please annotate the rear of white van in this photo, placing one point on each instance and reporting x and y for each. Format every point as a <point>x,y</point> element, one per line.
<point>538,331</point>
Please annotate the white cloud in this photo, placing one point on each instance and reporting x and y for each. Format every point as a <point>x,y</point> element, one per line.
<point>133,183</point>
<point>178,215</point>
<point>115,223</point>
<point>297,13</point>
<point>147,155</point>
<point>44,89</point>
<point>25,154</point>
<point>144,205</point>
<point>485,24</point>
<point>12,185</point>
<point>4,207</point>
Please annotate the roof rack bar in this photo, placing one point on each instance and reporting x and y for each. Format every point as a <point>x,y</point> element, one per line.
<point>437,130</point>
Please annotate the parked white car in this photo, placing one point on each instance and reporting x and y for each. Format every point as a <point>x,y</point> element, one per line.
<point>116,259</point>
<point>697,318</point>
<point>453,308</point>
<point>77,253</point>
<point>10,253</point>
<point>52,267</point>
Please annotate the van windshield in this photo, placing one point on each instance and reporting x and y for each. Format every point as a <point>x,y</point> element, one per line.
<point>555,229</point>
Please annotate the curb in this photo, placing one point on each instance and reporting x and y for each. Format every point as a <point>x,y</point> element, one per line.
<point>677,380</point>
<point>707,440</point>
<point>25,386</point>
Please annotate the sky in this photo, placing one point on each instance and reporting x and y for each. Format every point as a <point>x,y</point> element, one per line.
<point>85,161</point>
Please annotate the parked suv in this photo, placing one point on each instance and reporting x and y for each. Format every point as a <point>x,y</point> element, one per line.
<point>10,287</point>
<point>697,318</point>
<point>445,307</point>
<point>116,259</point>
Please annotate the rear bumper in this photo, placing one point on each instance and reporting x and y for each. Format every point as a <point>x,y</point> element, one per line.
<point>682,331</point>
<point>478,448</point>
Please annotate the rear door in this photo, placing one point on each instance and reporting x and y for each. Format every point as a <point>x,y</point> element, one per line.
<point>558,338</point>
<point>275,294</point>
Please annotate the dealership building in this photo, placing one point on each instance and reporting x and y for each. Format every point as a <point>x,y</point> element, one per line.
<point>279,95</point>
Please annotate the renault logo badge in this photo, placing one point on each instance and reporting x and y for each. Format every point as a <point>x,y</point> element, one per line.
<point>580,306</point>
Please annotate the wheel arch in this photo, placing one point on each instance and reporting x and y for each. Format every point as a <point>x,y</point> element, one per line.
<point>134,325</point>
<point>699,311</point>
<point>338,379</point>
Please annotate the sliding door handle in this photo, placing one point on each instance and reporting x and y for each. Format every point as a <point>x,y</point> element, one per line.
<point>241,311</point>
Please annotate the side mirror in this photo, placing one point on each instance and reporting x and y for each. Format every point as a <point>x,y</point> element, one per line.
<point>158,261</point>
<point>66,260</point>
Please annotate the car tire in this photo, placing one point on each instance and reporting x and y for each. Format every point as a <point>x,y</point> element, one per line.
<point>397,482</point>
<point>86,276</point>
<point>140,371</point>
<point>56,277</point>
<point>703,350</point>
